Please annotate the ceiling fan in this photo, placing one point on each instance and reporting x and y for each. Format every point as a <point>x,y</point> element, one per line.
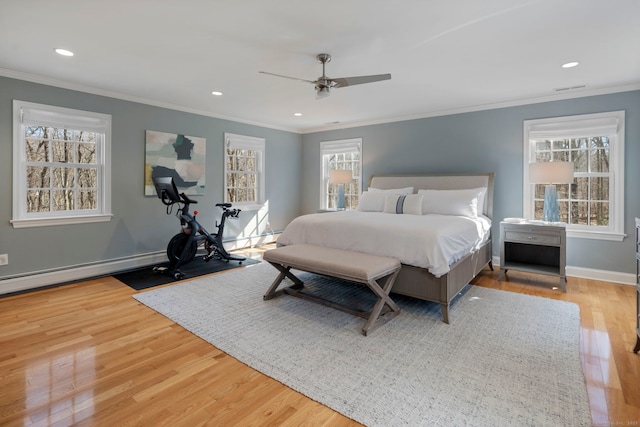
<point>324,84</point>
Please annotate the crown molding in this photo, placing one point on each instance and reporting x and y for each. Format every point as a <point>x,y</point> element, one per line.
<point>33,78</point>
<point>581,93</point>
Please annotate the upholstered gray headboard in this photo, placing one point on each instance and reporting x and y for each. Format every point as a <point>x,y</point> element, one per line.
<point>439,182</point>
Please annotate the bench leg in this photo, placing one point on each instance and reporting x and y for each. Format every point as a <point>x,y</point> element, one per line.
<point>284,272</point>
<point>376,319</point>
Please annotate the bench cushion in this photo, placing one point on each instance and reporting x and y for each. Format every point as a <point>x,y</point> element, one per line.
<point>355,266</point>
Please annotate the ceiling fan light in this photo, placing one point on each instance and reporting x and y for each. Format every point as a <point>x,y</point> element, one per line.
<point>322,92</point>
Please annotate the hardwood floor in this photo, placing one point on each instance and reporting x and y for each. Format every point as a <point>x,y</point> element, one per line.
<point>89,354</point>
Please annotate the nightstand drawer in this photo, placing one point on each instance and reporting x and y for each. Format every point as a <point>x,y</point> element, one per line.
<point>538,238</point>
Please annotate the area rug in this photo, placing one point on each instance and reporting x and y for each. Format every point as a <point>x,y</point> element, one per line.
<point>146,277</point>
<point>506,359</point>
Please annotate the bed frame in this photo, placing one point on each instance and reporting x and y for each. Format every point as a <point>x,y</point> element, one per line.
<point>419,282</point>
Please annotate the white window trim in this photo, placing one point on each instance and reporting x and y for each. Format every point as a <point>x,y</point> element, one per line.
<point>58,116</point>
<point>335,147</point>
<point>611,124</point>
<point>247,143</point>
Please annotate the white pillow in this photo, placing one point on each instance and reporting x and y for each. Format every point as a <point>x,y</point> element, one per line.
<point>403,204</point>
<point>450,202</point>
<point>481,194</point>
<point>406,190</point>
<point>371,202</point>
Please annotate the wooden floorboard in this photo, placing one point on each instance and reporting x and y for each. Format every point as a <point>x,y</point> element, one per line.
<point>89,354</point>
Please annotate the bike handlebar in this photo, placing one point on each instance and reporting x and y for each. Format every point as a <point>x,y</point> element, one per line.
<point>187,199</point>
<point>234,213</point>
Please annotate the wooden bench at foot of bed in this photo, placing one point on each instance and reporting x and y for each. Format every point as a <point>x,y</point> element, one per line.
<point>352,266</point>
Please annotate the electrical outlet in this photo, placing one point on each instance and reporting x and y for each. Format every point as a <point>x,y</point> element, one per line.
<point>4,259</point>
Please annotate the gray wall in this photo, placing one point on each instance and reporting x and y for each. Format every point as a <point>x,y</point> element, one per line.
<point>485,141</point>
<point>139,225</point>
<point>489,141</point>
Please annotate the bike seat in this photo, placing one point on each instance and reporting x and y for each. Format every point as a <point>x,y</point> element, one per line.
<point>223,205</point>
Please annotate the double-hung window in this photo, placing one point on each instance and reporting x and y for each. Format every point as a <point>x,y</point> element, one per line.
<point>244,170</point>
<point>61,172</point>
<point>593,205</point>
<point>343,154</point>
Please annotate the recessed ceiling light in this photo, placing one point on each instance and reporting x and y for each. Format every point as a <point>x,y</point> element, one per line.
<point>216,93</point>
<point>63,52</point>
<point>297,114</point>
<point>570,64</point>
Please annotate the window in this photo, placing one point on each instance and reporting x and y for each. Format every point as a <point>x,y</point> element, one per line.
<point>593,205</point>
<point>343,154</point>
<point>244,170</point>
<point>61,171</point>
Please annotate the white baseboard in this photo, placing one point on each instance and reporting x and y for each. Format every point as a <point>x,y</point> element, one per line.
<point>591,273</point>
<point>252,241</point>
<point>48,278</point>
<point>41,279</point>
<point>603,275</point>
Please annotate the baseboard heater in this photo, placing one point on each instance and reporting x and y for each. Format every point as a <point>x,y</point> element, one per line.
<point>54,277</point>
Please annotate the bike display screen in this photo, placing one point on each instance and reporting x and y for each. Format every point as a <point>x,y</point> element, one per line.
<point>166,188</point>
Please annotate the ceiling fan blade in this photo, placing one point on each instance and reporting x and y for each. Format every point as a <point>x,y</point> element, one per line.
<point>358,80</point>
<point>287,77</point>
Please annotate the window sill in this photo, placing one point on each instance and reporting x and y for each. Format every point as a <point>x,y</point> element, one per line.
<point>596,235</point>
<point>44,222</point>
<point>248,206</point>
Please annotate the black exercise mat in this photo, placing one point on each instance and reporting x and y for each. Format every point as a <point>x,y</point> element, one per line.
<point>143,278</point>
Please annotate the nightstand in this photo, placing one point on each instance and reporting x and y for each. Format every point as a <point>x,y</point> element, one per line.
<point>534,247</point>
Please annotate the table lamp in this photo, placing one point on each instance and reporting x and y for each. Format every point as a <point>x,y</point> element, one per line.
<point>340,177</point>
<point>550,174</point>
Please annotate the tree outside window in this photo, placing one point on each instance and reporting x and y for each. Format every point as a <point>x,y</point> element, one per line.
<point>61,165</point>
<point>61,169</point>
<point>241,175</point>
<point>593,204</point>
<point>244,170</point>
<point>341,155</point>
<point>585,201</point>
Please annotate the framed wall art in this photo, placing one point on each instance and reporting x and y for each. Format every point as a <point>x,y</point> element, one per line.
<point>181,157</point>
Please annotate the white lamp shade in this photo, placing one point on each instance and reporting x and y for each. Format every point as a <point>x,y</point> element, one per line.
<point>340,176</point>
<point>551,173</point>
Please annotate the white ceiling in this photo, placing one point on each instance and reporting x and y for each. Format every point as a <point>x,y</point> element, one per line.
<point>444,55</point>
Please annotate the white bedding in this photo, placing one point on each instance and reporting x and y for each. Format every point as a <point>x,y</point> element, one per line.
<point>429,241</point>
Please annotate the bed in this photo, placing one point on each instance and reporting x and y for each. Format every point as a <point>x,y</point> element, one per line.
<point>438,265</point>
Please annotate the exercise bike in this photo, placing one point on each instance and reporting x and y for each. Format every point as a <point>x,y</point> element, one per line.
<point>183,246</point>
